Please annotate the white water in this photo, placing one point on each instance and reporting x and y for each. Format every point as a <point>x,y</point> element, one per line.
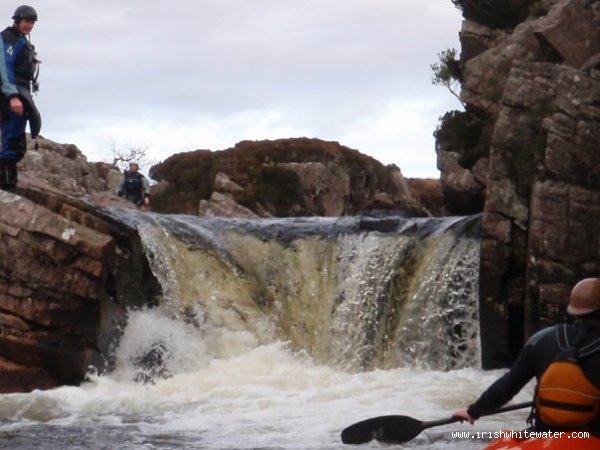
<point>234,384</point>
<point>265,398</point>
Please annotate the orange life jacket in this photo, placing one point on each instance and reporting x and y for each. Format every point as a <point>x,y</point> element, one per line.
<point>565,397</point>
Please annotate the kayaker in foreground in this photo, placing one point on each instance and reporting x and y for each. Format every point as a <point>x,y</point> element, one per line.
<point>565,359</point>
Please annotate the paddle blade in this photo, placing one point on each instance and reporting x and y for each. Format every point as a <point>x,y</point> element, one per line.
<point>392,429</point>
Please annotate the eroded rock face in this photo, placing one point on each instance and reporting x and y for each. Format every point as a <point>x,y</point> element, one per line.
<point>542,190</point>
<point>53,273</point>
<point>534,93</point>
<point>67,272</point>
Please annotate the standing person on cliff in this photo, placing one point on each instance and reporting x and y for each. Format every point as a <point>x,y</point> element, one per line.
<point>18,79</point>
<point>134,186</point>
<point>565,360</point>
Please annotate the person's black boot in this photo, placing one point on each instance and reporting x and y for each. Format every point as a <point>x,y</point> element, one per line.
<point>8,176</point>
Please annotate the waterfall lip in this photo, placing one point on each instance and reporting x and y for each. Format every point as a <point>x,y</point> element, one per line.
<point>204,231</point>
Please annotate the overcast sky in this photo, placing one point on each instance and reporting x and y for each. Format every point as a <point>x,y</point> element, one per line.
<point>181,75</point>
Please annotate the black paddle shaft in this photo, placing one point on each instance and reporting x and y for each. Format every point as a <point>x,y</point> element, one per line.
<point>399,429</point>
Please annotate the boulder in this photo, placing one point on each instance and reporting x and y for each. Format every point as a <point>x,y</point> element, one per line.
<point>325,187</point>
<point>224,205</point>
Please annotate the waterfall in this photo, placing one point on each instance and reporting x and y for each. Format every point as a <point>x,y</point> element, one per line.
<point>357,293</point>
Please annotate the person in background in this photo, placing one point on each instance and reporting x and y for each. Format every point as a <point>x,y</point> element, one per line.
<point>565,360</point>
<point>134,186</point>
<point>18,77</point>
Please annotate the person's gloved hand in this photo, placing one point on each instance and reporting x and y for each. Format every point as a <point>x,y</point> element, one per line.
<point>464,415</point>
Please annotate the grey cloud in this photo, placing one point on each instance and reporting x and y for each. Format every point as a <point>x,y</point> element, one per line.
<point>321,64</point>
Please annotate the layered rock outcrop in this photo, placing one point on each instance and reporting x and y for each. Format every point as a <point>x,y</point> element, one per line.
<point>532,95</point>
<point>283,178</point>
<point>67,271</point>
<point>65,169</point>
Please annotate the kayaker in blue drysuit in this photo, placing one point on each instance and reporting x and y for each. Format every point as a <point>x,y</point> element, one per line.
<point>18,78</point>
<point>134,186</point>
<point>565,360</point>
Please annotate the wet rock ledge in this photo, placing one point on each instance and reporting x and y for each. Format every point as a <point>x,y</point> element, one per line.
<point>67,273</point>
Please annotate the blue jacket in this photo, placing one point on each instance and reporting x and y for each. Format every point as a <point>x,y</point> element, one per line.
<point>17,62</point>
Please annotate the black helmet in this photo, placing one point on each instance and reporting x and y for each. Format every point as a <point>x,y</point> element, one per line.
<point>25,12</point>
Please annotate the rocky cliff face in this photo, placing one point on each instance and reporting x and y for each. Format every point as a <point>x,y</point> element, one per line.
<point>283,178</point>
<point>527,149</point>
<point>67,270</point>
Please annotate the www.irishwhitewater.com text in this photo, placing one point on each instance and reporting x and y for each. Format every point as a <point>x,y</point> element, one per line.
<point>520,434</point>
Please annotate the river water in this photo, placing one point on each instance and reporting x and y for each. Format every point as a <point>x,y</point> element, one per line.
<point>277,335</point>
<point>267,399</point>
